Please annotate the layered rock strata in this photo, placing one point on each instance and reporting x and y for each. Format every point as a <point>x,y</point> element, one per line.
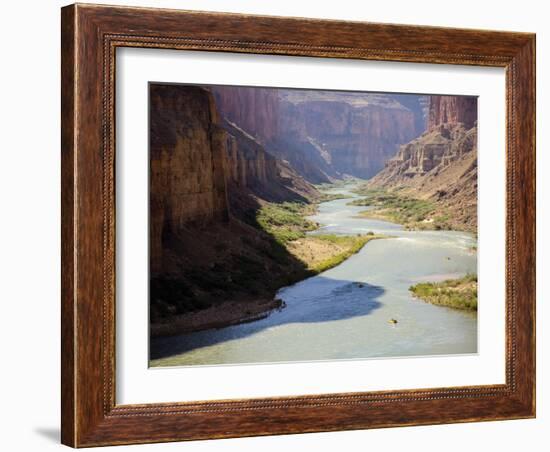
<point>187,174</point>
<point>441,164</point>
<point>350,139</point>
<point>452,110</point>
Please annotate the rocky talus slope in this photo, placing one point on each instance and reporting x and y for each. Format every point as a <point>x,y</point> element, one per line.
<point>441,164</point>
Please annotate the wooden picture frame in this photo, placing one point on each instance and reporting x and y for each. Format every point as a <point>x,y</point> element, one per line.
<point>90,36</point>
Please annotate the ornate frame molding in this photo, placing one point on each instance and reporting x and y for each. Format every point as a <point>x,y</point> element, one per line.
<point>90,37</point>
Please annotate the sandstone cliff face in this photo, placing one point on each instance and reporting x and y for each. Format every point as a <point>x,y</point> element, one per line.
<point>441,164</point>
<point>419,106</point>
<point>322,134</point>
<point>202,165</point>
<point>253,110</point>
<point>452,110</point>
<point>187,182</point>
<point>250,167</point>
<point>257,112</point>
<point>437,148</point>
<point>351,139</point>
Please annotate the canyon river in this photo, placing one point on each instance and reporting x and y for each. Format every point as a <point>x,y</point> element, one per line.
<point>345,312</point>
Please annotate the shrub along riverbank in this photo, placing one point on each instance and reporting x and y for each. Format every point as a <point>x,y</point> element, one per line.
<point>414,214</point>
<point>286,222</point>
<point>323,252</point>
<point>458,293</point>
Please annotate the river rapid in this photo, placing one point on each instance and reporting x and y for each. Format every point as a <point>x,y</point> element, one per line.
<point>345,312</point>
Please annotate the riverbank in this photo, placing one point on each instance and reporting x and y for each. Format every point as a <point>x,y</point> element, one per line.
<point>343,313</point>
<point>323,252</point>
<point>287,225</point>
<point>319,253</point>
<point>224,314</point>
<point>417,215</point>
<point>413,213</point>
<point>458,293</point>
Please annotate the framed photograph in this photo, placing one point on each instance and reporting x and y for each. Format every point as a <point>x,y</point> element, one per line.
<point>281,225</point>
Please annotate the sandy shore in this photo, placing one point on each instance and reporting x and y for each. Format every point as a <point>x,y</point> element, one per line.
<point>219,316</point>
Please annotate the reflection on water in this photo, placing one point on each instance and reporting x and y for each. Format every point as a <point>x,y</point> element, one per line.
<point>344,312</point>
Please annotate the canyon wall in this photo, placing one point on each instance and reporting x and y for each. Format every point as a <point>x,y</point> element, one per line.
<point>202,166</point>
<point>441,164</point>
<point>324,134</point>
<point>452,110</point>
<point>354,139</point>
<point>257,113</point>
<point>251,168</point>
<point>418,106</point>
<point>253,110</point>
<point>437,148</point>
<point>187,183</point>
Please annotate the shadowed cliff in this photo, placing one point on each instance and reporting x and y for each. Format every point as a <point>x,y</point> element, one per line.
<point>208,179</point>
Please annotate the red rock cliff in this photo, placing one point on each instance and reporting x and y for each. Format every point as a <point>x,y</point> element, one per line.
<point>441,164</point>
<point>251,168</point>
<point>322,134</point>
<point>354,139</point>
<point>253,110</point>
<point>452,110</point>
<point>198,159</point>
<point>187,182</point>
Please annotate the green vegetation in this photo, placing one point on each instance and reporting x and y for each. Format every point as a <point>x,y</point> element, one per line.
<point>411,212</point>
<point>336,184</point>
<point>458,293</point>
<point>287,224</point>
<point>331,197</point>
<point>285,221</point>
<point>351,244</point>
